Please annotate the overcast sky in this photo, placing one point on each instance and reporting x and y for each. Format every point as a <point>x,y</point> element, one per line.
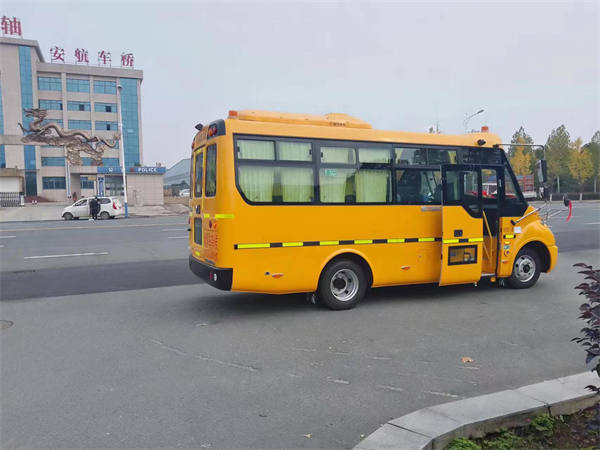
<point>401,65</point>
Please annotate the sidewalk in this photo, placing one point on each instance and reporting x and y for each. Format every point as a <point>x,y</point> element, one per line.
<point>52,211</point>
<point>434,427</point>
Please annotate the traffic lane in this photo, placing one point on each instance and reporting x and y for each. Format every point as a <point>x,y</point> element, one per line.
<point>72,224</point>
<point>585,217</point>
<point>97,276</point>
<point>191,366</point>
<point>112,277</point>
<point>92,245</point>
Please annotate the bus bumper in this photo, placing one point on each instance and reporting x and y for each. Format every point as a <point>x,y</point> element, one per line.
<point>215,276</point>
<point>553,250</point>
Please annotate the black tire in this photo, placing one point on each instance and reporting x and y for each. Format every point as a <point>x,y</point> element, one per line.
<point>526,269</point>
<point>68,216</point>
<point>104,215</point>
<point>342,278</point>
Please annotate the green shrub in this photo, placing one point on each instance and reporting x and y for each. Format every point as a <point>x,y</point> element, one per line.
<point>462,444</point>
<point>543,424</point>
<point>506,441</point>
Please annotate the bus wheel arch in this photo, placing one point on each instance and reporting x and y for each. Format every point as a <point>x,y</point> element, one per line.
<point>542,251</point>
<point>358,258</point>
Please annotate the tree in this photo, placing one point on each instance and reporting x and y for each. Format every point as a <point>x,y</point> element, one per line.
<point>520,137</point>
<point>521,157</point>
<point>557,154</point>
<point>580,164</point>
<point>594,148</point>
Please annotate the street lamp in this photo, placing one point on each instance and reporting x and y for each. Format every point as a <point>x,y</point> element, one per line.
<point>119,88</point>
<point>466,121</point>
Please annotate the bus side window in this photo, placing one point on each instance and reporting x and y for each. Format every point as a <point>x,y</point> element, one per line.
<point>198,175</point>
<point>210,190</point>
<point>418,187</point>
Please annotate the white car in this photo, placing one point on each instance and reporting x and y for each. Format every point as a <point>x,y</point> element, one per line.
<point>110,207</point>
<point>184,193</point>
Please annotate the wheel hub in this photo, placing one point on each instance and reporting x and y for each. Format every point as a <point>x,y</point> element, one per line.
<point>525,268</point>
<point>344,285</point>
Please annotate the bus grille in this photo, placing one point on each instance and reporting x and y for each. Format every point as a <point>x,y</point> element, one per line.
<point>198,231</point>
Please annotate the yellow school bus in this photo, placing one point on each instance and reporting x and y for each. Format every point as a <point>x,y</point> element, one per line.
<point>287,203</point>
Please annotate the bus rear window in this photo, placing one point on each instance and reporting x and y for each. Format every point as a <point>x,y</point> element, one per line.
<point>198,177</point>
<point>210,190</point>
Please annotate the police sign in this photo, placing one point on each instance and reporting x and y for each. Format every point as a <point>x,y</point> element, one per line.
<point>136,170</point>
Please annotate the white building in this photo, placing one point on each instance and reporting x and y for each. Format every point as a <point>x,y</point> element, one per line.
<point>78,97</point>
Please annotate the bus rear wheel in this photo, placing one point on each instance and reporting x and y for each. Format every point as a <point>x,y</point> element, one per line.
<point>342,285</point>
<point>526,269</point>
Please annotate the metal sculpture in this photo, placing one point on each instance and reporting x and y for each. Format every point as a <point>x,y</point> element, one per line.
<point>74,141</point>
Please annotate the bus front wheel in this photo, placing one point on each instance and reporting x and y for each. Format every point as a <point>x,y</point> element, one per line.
<point>526,269</point>
<point>342,285</point>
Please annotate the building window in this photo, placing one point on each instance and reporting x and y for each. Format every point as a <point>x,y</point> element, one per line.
<point>131,126</point>
<point>53,182</point>
<point>84,183</point>
<point>105,107</point>
<point>53,161</point>
<point>76,85</point>
<point>110,126</point>
<point>105,87</point>
<point>55,105</point>
<point>80,125</point>
<point>55,121</point>
<point>111,162</point>
<point>86,161</point>
<point>78,106</point>
<point>49,84</point>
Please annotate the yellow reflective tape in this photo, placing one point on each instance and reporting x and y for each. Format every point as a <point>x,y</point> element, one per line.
<point>475,239</point>
<point>395,241</point>
<point>509,236</point>
<point>426,239</point>
<point>450,241</point>
<point>329,242</point>
<point>254,245</point>
<point>292,244</point>
<point>197,253</point>
<point>363,241</point>
<point>206,215</point>
<point>223,216</point>
<point>191,214</point>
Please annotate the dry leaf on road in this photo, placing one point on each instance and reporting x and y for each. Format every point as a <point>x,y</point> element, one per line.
<point>466,359</point>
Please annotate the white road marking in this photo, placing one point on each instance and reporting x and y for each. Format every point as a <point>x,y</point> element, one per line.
<point>65,256</point>
<point>1,246</point>
<point>178,237</point>
<point>443,394</point>
<point>593,223</point>
<point>7,237</point>
<point>174,229</point>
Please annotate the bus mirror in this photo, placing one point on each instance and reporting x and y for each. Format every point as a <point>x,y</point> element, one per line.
<point>566,200</point>
<point>542,171</point>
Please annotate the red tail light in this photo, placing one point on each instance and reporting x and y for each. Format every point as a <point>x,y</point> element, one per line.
<point>114,205</point>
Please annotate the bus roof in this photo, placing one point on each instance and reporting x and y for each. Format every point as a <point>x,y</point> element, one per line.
<point>338,126</point>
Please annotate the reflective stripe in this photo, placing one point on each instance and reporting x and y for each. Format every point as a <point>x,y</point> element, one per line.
<point>475,239</point>
<point>206,215</point>
<point>340,242</point>
<point>240,246</point>
<point>197,253</point>
<point>509,236</point>
<point>292,244</point>
<point>223,216</point>
<point>450,241</point>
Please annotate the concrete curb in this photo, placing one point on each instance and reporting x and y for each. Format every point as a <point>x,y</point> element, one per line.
<point>434,427</point>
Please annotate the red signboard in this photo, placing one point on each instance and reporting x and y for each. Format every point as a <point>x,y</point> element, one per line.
<point>11,27</point>
<point>127,60</point>
<point>81,56</point>
<point>104,58</point>
<point>57,54</point>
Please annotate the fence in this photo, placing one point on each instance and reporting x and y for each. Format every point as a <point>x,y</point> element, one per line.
<point>8,199</point>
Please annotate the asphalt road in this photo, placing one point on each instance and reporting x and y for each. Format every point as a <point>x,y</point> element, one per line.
<point>145,356</point>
